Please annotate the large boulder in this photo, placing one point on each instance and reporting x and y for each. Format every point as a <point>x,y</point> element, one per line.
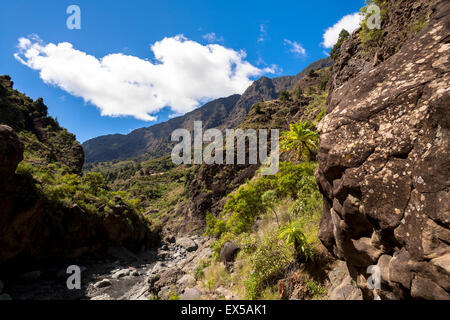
<point>191,294</point>
<point>187,244</point>
<point>383,165</point>
<point>228,252</point>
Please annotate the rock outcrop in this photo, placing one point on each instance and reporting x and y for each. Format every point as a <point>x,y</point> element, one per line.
<point>383,163</point>
<point>37,225</point>
<point>42,134</point>
<point>30,231</point>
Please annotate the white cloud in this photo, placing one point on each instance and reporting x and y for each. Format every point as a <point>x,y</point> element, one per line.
<point>295,47</point>
<point>212,37</point>
<point>184,74</point>
<point>349,22</point>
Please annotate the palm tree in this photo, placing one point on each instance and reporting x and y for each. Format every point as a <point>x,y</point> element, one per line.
<point>301,137</point>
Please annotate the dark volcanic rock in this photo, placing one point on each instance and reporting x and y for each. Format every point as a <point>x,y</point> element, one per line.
<point>34,227</point>
<point>228,252</point>
<point>384,170</point>
<point>11,152</point>
<point>41,134</point>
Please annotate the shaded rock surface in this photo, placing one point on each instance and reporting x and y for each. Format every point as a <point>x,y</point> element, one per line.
<point>228,252</point>
<point>383,164</point>
<point>121,275</point>
<point>43,135</point>
<point>34,228</point>
<point>342,286</point>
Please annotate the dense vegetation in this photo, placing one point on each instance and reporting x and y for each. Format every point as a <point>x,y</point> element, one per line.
<point>273,219</point>
<point>157,183</point>
<point>62,188</point>
<point>51,168</point>
<point>44,140</point>
<point>287,225</point>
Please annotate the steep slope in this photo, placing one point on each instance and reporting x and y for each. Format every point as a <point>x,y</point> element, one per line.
<point>155,141</point>
<point>268,89</point>
<point>222,113</point>
<point>383,155</point>
<point>45,141</point>
<point>212,183</point>
<point>48,211</point>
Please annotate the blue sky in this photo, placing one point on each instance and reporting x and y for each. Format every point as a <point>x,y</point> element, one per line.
<point>279,38</point>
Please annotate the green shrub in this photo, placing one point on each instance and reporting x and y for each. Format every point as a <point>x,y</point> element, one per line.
<point>421,23</point>
<point>270,200</point>
<point>173,295</point>
<point>268,262</point>
<point>244,206</point>
<point>317,290</point>
<point>257,108</point>
<point>199,270</point>
<point>214,226</point>
<point>246,203</point>
<point>293,236</point>
<point>312,73</point>
<point>343,36</point>
<point>323,84</point>
<point>211,284</point>
<point>285,96</point>
<point>291,177</point>
<point>320,116</point>
<point>59,186</point>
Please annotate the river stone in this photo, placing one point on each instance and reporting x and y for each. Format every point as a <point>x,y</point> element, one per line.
<point>185,280</point>
<point>103,283</point>
<point>158,267</point>
<point>121,274</point>
<point>188,244</point>
<point>191,294</point>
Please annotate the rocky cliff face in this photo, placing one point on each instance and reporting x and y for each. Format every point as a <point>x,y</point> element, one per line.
<point>383,163</point>
<point>34,225</point>
<point>43,137</point>
<point>268,89</point>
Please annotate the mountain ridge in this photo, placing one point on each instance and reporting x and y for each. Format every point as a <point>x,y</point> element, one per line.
<point>227,112</point>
